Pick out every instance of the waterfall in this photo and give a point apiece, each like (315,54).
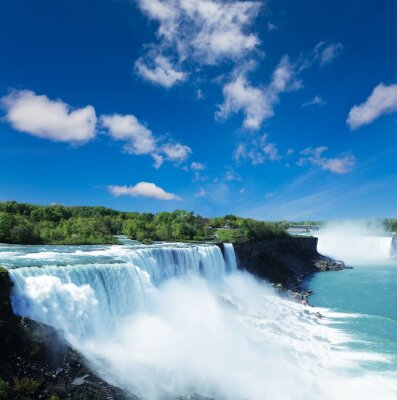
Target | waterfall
(230,257)
(92,297)
(168,321)
(355,248)
(394,247)
(80,299)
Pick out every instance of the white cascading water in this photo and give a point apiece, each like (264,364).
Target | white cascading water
(355,243)
(164,321)
(93,297)
(230,257)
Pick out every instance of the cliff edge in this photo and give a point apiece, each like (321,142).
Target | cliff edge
(284,261)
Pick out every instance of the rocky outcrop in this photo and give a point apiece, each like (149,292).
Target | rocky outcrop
(285,261)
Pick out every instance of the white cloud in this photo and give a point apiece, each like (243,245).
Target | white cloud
(205,32)
(283,79)
(322,54)
(49,119)
(257,103)
(339,165)
(158,160)
(240,152)
(197,166)
(239,95)
(271,151)
(326,53)
(55,120)
(383,100)
(176,152)
(141,140)
(143,189)
(258,151)
(160,71)
(315,101)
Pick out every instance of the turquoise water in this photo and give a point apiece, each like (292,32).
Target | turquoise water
(366,295)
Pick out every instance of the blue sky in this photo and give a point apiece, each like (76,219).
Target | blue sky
(271,109)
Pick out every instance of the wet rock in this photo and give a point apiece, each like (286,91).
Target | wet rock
(285,262)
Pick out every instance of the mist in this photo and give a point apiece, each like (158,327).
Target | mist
(229,338)
(356,242)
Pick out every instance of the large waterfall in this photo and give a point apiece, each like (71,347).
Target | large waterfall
(94,296)
(169,320)
(356,245)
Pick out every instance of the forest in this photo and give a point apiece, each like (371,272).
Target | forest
(22,223)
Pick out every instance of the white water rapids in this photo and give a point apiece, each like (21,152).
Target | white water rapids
(163,321)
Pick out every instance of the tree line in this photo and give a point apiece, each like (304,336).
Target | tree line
(390,224)
(56,224)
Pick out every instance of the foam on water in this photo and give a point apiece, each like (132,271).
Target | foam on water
(176,319)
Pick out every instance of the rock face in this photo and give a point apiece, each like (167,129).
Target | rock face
(284,261)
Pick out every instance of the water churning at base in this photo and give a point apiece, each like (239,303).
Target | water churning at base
(169,320)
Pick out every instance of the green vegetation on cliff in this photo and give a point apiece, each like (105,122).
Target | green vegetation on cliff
(56,224)
(390,224)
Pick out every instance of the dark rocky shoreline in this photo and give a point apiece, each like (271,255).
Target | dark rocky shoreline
(285,262)
(36,363)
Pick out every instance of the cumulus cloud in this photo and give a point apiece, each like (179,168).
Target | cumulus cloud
(176,151)
(143,189)
(258,151)
(160,70)
(141,140)
(338,165)
(55,120)
(383,100)
(257,103)
(127,128)
(240,95)
(204,32)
